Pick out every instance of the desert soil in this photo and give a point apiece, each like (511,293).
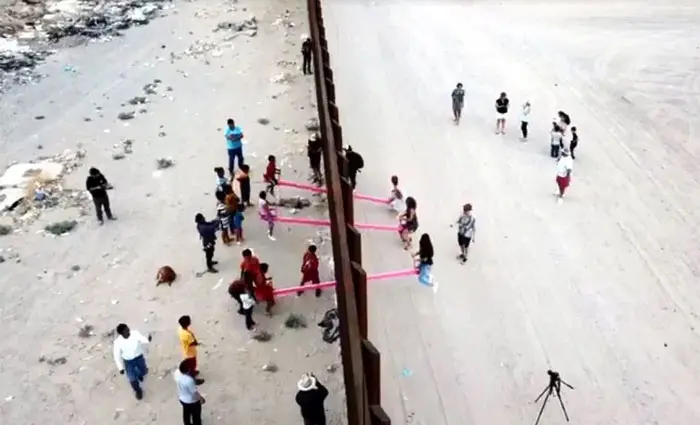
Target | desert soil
(602,288)
(49,373)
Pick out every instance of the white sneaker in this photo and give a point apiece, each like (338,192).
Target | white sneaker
(270,237)
(560,200)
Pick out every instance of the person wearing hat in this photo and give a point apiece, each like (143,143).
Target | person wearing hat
(457,102)
(310,398)
(564,168)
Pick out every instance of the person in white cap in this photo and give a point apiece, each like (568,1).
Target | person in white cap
(564,168)
(310,398)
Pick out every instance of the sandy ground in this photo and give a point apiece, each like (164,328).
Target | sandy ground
(602,288)
(43,303)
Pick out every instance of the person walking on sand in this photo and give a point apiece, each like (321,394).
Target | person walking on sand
(311,398)
(234,144)
(502,104)
(306,52)
(207,233)
(525,119)
(128,355)
(466,230)
(574,142)
(97,185)
(564,167)
(188,394)
(457,102)
(189,344)
(309,270)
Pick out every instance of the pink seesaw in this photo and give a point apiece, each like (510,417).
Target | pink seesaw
(320,222)
(315,189)
(330,284)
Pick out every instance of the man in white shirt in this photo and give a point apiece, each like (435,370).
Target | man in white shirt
(190,398)
(564,167)
(128,355)
(525,119)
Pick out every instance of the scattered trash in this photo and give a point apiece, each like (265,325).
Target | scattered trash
(332,368)
(263,121)
(69,68)
(295,321)
(126,115)
(282,78)
(407,373)
(312,124)
(5,230)
(75,268)
(61,227)
(86,331)
(53,362)
(138,100)
(39,117)
(297,202)
(118,155)
(270,367)
(249,25)
(262,336)
(164,163)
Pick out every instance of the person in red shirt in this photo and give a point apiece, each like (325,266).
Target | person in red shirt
(250,264)
(264,289)
(309,269)
(272,174)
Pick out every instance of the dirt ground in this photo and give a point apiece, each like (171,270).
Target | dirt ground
(50,374)
(602,288)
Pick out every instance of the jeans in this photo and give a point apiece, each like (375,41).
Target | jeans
(554,151)
(425,275)
(306,64)
(192,413)
(102,202)
(136,370)
(249,322)
(523,129)
(232,155)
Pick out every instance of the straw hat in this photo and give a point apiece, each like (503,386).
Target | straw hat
(306,383)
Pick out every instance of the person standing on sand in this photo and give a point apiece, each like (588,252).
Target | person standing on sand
(207,233)
(525,119)
(466,230)
(248,303)
(190,398)
(355,164)
(128,355)
(574,142)
(97,185)
(306,52)
(502,104)
(314,151)
(234,144)
(310,398)
(189,345)
(309,270)
(564,167)
(457,102)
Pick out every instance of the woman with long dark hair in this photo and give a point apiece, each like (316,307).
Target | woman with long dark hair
(408,222)
(424,260)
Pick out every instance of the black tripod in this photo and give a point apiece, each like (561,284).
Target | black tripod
(554,385)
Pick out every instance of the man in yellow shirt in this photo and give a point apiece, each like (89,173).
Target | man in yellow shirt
(189,345)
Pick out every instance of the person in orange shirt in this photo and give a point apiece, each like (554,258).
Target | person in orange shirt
(189,345)
(264,289)
(309,269)
(250,264)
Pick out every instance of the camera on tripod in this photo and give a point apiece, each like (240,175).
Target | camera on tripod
(554,386)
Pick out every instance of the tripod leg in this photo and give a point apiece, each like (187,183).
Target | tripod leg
(566,415)
(541,394)
(539,415)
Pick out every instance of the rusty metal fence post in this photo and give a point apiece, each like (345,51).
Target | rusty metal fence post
(361,360)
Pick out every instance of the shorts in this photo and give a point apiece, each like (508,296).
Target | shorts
(563,183)
(501,116)
(463,241)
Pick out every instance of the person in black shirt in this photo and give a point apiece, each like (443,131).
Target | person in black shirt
(502,104)
(207,233)
(574,142)
(315,151)
(97,185)
(355,164)
(306,55)
(310,398)
(424,260)
(457,102)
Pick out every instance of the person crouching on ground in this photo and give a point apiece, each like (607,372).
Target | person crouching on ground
(564,168)
(267,214)
(207,233)
(424,260)
(408,222)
